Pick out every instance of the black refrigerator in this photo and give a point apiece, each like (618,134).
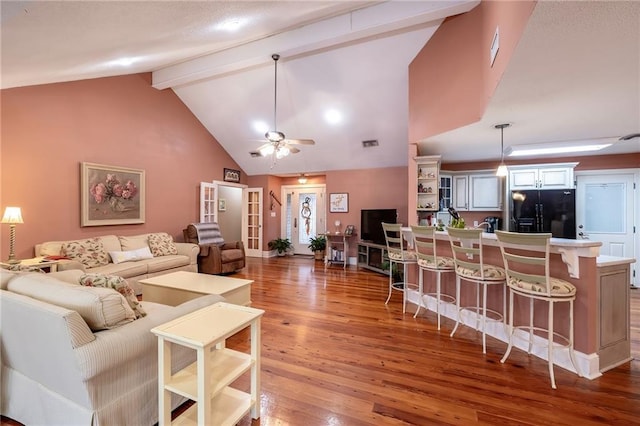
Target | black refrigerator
(544,210)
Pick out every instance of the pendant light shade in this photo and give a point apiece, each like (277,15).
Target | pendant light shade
(502,168)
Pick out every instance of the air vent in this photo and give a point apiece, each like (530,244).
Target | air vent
(255,154)
(370,143)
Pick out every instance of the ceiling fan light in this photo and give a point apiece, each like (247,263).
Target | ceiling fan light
(267,150)
(274,136)
(282,152)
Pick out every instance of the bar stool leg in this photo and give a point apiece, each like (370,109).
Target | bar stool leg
(530,326)
(510,345)
(457,306)
(404,288)
(550,346)
(572,354)
(420,284)
(438,297)
(390,281)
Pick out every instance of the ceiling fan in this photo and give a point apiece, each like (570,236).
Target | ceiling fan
(277,144)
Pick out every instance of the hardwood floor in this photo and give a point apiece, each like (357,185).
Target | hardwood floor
(334,354)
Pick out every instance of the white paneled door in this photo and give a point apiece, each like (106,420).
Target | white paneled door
(606,211)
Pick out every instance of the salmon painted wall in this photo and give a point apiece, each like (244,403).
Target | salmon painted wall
(451,79)
(48,130)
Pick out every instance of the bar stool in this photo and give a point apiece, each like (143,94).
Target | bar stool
(528,276)
(466,245)
(424,244)
(397,255)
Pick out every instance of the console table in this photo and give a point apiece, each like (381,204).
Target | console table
(337,250)
(207,380)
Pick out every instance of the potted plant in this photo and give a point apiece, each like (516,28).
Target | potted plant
(282,245)
(318,245)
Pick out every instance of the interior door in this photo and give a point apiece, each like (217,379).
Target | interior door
(208,202)
(252,221)
(605,212)
(304,215)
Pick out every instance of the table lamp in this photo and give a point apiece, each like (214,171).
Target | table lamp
(12,215)
(337,223)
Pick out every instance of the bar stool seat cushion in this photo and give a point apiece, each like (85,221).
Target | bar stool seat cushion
(491,273)
(558,287)
(440,263)
(404,256)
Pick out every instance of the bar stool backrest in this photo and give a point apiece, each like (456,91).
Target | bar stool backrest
(526,260)
(466,246)
(424,244)
(395,242)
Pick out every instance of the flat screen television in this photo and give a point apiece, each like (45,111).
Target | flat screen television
(371,224)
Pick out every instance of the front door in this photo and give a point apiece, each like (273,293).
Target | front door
(605,212)
(304,215)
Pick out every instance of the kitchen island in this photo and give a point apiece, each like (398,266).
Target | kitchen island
(601,309)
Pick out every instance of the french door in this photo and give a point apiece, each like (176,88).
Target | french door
(304,215)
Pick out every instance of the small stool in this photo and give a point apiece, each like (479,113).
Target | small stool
(466,245)
(397,254)
(528,276)
(424,244)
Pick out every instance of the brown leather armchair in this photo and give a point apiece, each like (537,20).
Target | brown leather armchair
(216,256)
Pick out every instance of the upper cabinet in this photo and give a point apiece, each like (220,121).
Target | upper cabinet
(544,176)
(481,191)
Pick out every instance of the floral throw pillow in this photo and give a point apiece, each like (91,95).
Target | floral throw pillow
(90,252)
(161,244)
(118,284)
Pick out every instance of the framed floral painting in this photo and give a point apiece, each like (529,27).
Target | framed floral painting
(111,195)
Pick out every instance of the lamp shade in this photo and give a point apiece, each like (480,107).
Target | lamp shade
(12,215)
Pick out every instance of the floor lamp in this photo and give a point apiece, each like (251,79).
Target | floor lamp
(12,216)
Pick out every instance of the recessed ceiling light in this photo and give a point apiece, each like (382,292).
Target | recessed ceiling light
(333,116)
(260,126)
(233,24)
(123,62)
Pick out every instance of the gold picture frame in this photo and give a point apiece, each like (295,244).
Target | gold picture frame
(111,195)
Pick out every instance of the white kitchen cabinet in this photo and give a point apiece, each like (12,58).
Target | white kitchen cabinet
(485,192)
(547,176)
(460,192)
(477,192)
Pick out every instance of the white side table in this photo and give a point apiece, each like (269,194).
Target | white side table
(207,380)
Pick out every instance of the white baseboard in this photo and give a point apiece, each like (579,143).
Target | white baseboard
(589,364)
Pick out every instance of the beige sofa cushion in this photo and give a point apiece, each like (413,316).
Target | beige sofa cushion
(117,283)
(133,243)
(89,252)
(161,244)
(101,308)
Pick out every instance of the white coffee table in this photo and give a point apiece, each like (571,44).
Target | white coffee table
(177,287)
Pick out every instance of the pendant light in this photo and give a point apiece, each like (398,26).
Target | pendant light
(502,168)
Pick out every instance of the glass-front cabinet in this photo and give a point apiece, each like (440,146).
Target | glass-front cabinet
(427,187)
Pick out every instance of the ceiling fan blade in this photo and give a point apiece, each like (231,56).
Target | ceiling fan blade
(263,146)
(293,150)
(300,141)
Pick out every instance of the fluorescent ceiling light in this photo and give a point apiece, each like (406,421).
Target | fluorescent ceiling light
(556,148)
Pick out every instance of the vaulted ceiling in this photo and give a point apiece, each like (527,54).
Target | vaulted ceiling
(575,74)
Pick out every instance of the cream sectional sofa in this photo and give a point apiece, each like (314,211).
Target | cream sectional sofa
(56,370)
(92,255)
